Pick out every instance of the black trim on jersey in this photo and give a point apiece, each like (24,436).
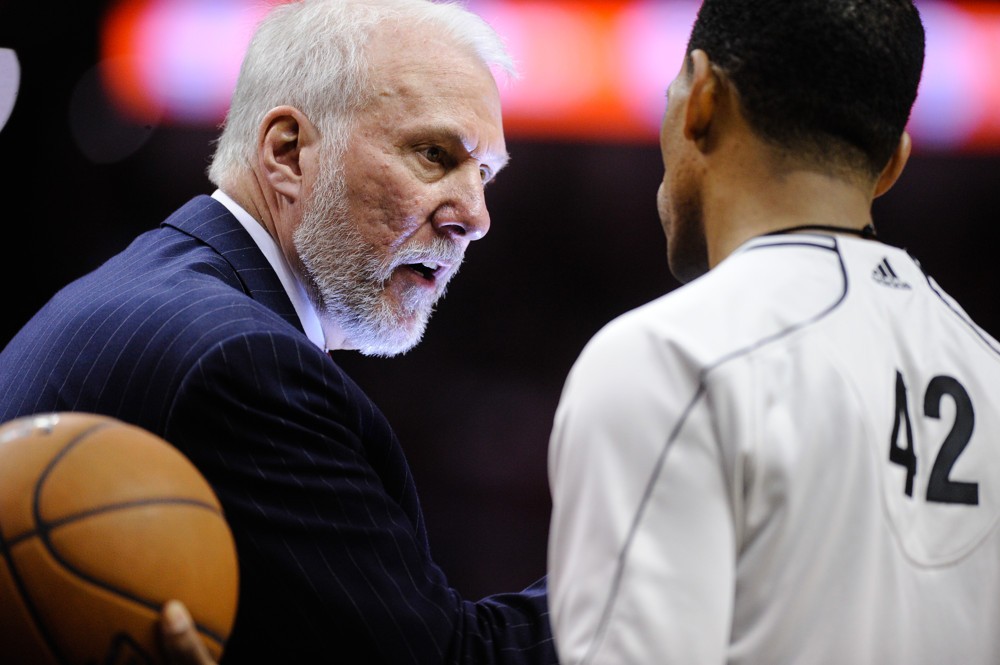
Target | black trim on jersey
(962,316)
(793,328)
(802,240)
(699,392)
(868,231)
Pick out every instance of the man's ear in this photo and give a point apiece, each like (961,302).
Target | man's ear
(702,98)
(891,172)
(286,139)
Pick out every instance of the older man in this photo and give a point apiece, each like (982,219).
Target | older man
(350,179)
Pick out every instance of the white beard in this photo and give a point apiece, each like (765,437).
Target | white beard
(347,277)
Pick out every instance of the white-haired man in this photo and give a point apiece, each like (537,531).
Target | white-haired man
(350,176)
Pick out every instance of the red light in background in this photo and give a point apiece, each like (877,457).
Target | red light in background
(986,17)
(591,71)
(121,61)
(176,59)
(570,58)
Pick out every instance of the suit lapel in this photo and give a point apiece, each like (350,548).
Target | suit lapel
(208,220)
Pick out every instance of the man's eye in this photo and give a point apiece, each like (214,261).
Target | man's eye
(434,154)
(485,173)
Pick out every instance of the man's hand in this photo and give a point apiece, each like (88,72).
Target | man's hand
(181,643)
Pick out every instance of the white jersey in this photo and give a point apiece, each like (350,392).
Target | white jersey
(794,459)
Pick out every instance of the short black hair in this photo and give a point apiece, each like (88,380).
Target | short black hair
(831,80)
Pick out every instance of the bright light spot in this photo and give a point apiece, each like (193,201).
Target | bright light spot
(182,56)
(943,116)
(590,70)
(652,39)
(539,37)
(10,83)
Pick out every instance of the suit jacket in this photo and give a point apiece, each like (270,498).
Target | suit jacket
(188,333)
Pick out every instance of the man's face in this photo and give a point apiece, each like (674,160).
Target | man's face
(678,198)
(386,228)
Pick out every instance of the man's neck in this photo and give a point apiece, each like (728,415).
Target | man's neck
(740,210)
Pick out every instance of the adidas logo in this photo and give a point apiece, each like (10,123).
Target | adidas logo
(884,274)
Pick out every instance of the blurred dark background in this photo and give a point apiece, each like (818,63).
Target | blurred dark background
(575,241)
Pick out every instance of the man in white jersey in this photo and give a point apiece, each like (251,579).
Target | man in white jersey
(795,457)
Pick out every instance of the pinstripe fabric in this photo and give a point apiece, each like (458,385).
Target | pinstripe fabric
(189,334)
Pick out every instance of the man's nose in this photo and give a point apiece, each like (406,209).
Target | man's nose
(464,213)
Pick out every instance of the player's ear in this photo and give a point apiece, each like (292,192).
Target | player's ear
(704,87)
(286,137)
(890,174)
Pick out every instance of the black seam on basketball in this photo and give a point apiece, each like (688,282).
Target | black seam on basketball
(123,646)
(43,629)
(30,606)
(43,535)
(45,527)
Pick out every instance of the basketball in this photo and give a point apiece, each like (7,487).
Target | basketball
(101,523)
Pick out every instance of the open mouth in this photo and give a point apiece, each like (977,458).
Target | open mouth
(426,269)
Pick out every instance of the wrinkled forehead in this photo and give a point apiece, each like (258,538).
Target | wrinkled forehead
(425,78)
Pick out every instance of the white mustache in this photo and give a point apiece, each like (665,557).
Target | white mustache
(439,251)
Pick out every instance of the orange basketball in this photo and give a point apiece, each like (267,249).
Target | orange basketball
(101,523)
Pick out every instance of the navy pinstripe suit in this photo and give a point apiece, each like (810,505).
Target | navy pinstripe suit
(189,334)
